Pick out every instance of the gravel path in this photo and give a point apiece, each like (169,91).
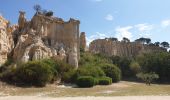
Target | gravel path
(87,98)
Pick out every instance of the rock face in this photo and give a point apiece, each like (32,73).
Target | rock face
(46,37)
(83,41)
(6,40)
(109,47)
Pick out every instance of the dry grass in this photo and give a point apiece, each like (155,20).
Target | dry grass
(122,88)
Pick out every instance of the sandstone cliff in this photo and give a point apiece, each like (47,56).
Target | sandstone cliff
(109,47)
(6,40)
(42,37)
(83,41)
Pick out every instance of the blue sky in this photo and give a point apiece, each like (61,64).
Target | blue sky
(103,18)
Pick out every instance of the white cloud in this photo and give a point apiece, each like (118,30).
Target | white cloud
(109,17)
(123,32)
(97,35)
(144,27)
(165,23)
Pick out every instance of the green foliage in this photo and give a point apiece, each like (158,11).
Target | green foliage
(69,77)
(67,72)
(124,64)
(104,81)
(93,60)
(112,71)
(148,77)
(90,71)
(9,73)
(135,67)
(7,63)
(85,81)
(49,13)
(53,65)
(35,73)
(156,62)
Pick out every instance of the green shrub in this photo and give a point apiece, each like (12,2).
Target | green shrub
(66,72)
(85,81)
(93,60)
(90,71)
(69,77)
(52,65)
(135,67)
(148,77)
(104,81)
(124,64)
(111,71)
(63,67)
(9,74)
(96,81)
(35,73)
(158,62)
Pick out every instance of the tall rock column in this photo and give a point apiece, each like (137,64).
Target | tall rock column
(21,20)
(83,41)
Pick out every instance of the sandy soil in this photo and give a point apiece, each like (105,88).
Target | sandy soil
(87,98)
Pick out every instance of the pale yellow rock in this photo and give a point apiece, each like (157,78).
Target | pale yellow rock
(117,48)
(83,41)
(47,37)
(6,40)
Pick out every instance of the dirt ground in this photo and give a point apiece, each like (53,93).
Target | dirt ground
(123,88)
(88,98)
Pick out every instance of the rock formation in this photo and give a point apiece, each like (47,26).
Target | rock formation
(109,47)
(42,37)
(6,40)
(47,37)
(83,41)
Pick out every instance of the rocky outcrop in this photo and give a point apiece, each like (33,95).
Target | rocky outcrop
(83,41)
(6,40)
(46,37)
(109,47)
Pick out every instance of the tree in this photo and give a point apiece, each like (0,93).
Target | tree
(147,40)
(158,62)
(112,39)
(148,77)
(157,44)
(143,40)
(125,39)
(49,13)
(165,44)
(135,67)
(37,8)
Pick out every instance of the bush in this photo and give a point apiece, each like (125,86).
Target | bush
(90,71)
(66,72)
(8,74)
(93,60)
(104,81)
(112,71)
(63,67)
(69,77)
(135,67)
(148,77)
(53,65)
(85,81)
(158,62)
(35,73)
(124,64)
